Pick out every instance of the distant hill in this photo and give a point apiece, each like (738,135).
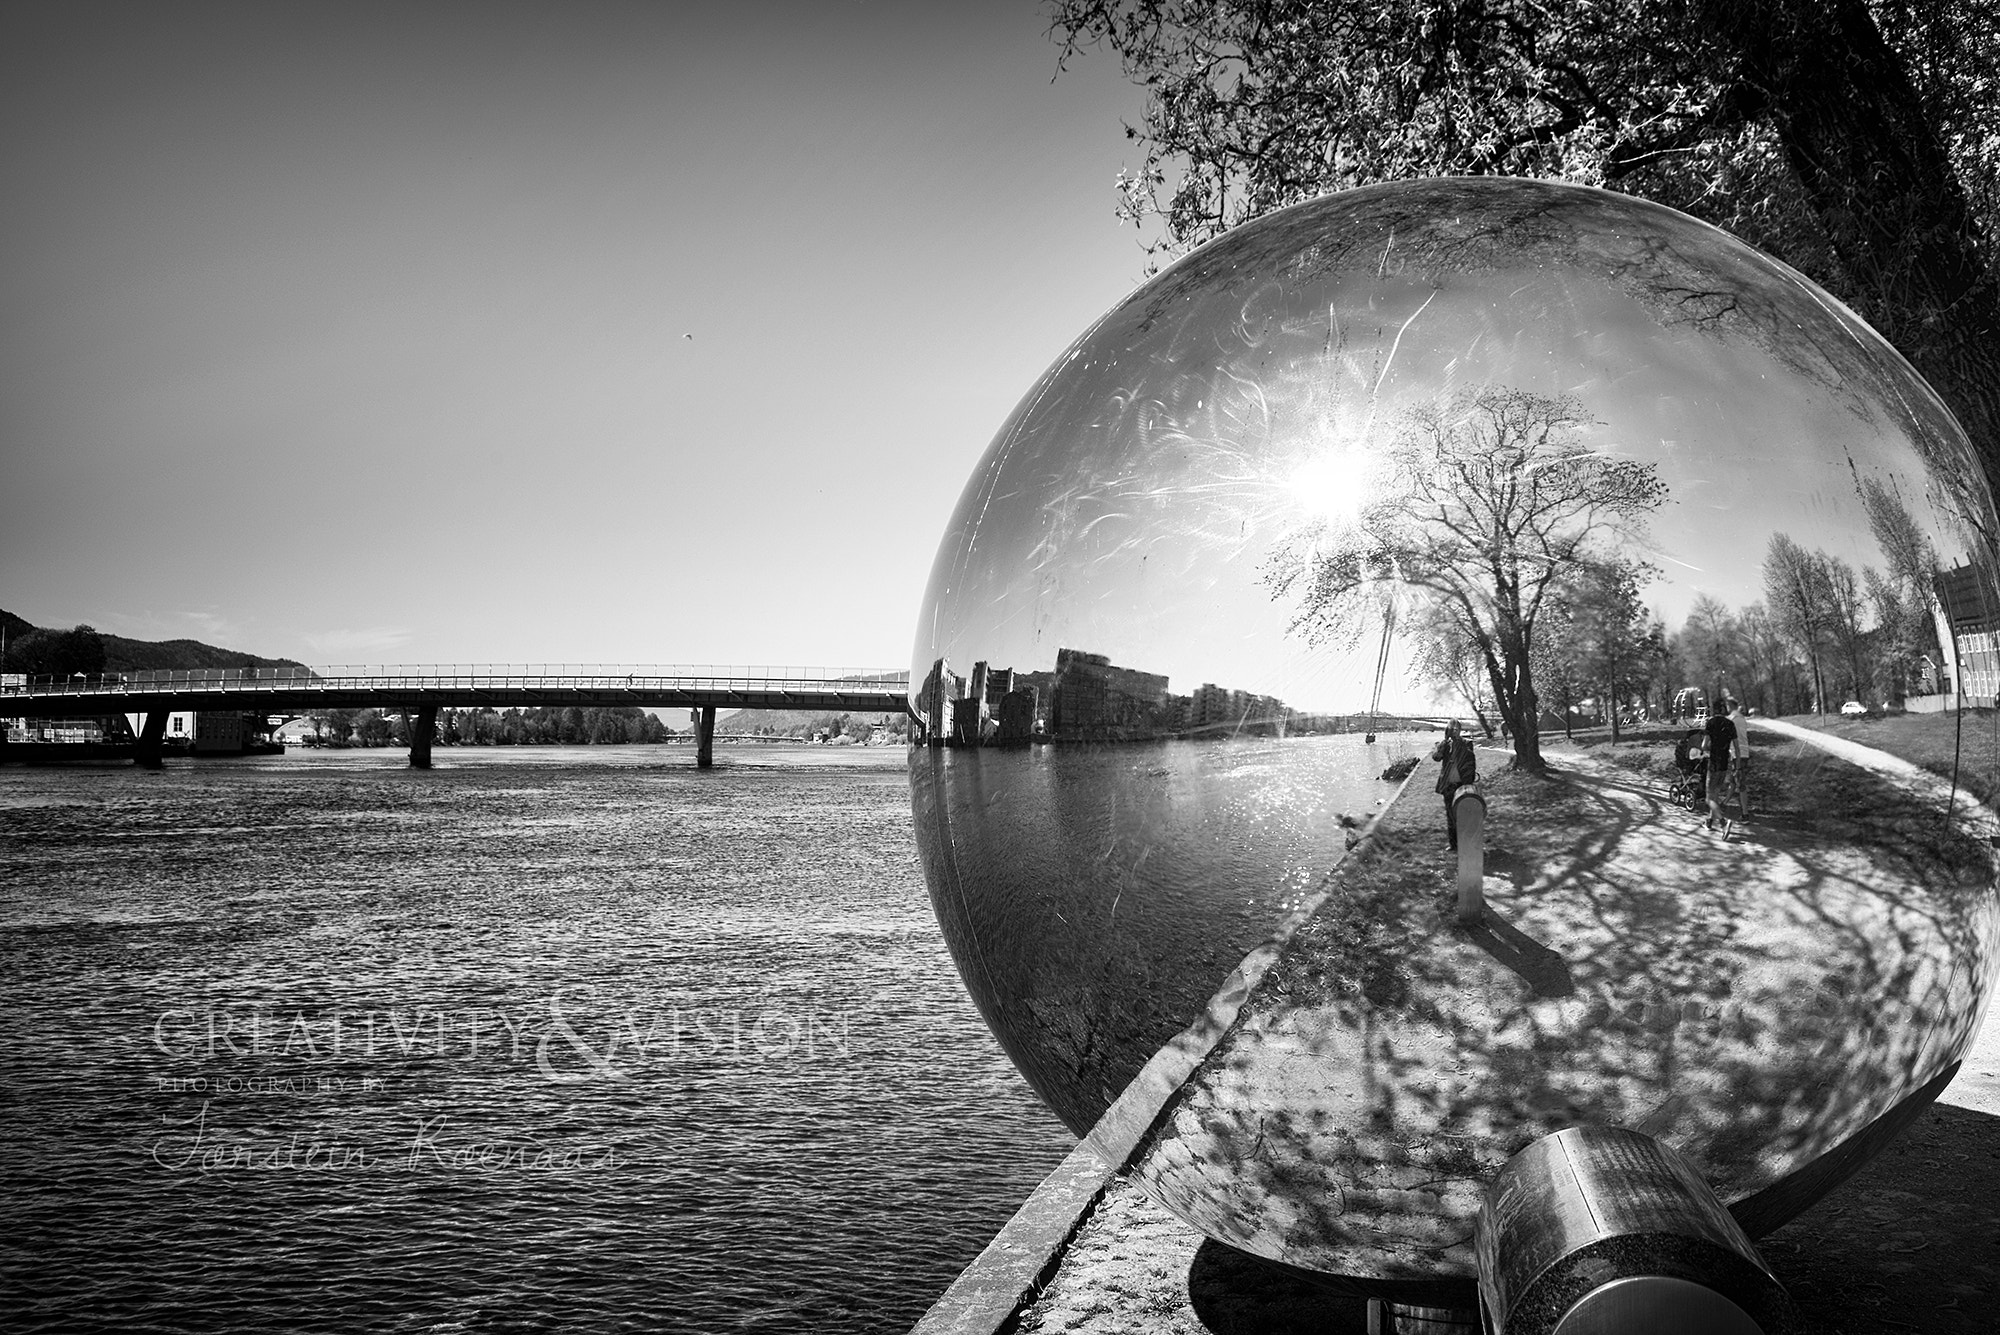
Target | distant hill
(123,655)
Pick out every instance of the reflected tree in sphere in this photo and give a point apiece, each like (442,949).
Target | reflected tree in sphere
(1492,505)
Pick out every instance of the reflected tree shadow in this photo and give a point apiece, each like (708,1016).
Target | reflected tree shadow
(1545,971)
(1758,1002)
(1906,1240)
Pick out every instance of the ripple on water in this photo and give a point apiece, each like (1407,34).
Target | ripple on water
(545,1039)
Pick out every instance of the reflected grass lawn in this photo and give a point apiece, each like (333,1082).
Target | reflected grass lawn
(1966,742)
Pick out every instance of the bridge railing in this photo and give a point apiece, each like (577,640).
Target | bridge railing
(469,676)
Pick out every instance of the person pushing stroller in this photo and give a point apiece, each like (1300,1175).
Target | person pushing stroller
(1721,737)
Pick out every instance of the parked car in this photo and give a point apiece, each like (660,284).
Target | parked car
(1853,707)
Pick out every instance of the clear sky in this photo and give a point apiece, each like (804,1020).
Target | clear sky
(583,332)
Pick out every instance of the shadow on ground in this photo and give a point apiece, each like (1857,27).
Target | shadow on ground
(1235,1293)
(1911,1242)
(1757,1001)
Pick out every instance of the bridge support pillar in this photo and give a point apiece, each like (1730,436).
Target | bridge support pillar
(423,731)
(704,738)
(152,740)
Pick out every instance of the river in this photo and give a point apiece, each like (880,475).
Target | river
(552,1038)
(543,1038)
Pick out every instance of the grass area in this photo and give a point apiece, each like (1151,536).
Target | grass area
(1966,742)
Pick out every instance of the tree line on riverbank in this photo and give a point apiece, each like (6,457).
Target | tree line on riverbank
(809,725)
(1826,631)
(552,726)
(1515,558)
(578,726)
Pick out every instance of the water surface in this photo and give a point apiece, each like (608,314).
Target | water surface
(561,1038)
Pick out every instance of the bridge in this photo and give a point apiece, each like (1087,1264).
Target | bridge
(419,692)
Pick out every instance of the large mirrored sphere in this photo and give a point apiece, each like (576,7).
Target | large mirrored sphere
(1625,498)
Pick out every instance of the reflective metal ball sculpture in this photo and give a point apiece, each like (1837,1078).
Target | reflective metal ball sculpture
(1576,470)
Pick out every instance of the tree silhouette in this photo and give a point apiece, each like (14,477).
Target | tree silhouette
(56,653)
(1850,636)
(1492,500)
(1766,657)
(1905,601)
(1561,680)
(1707,643)
(1801,600)
(1613,637)
(1449,658)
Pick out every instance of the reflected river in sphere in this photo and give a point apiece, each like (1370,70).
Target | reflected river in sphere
(1659,521)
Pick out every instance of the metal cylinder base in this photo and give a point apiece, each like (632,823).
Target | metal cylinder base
(1599,1229)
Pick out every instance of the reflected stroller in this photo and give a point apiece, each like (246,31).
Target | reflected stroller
(1690,790)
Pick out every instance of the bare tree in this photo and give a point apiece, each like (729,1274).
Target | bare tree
(1770,665)
(1560,677)
(1493,497)
(1707,638)
(1847,624)
(1611,630)
(1905,598)
(1795,588)
(1448,657)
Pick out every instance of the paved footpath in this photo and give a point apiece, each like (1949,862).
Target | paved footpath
(1912,1242)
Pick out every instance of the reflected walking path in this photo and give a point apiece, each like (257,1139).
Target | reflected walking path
(1911,1241)
(1755,1002)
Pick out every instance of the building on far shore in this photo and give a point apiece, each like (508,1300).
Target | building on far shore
(1097,701)
(1087,698)
(1970,629)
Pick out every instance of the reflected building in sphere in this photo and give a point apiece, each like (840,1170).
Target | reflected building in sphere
(1520,454)
(1097,702)
(1972,632)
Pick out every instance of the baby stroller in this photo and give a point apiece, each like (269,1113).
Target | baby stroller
(1690,789)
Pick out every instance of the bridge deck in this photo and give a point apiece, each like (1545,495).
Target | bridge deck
(460,687)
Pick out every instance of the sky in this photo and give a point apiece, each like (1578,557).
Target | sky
(484,333)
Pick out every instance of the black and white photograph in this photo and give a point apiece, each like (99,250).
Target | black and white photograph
(1083,668)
